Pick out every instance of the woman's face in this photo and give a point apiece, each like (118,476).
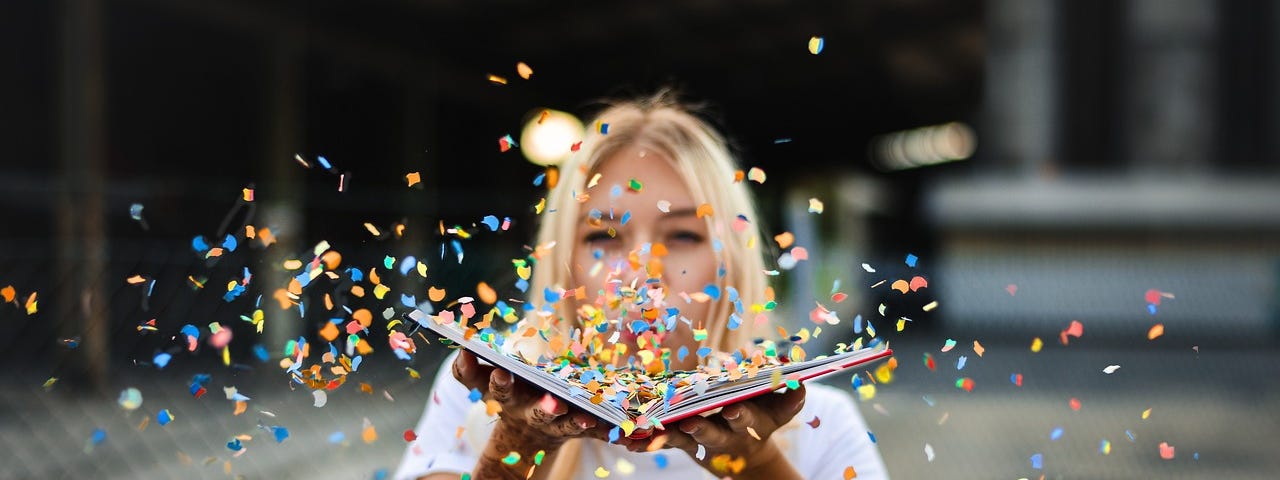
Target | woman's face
(689,263)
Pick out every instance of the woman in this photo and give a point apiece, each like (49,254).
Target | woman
(647,214)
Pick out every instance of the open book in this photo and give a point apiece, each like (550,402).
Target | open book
(679,396)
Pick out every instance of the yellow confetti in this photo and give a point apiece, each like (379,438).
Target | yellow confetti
(49,383)
(930,306)
(815,205)
(136,279)
(524,70)
(247,194)
(1036,344)
(32,307)
(816,44)
(624,467)
(496,79)
(1146,413)
(866,391)
(752,432)
(601,472)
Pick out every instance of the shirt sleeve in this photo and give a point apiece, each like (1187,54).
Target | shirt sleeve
(438,447)
(839,441)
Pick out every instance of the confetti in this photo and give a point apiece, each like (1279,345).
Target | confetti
(601,472)
(948,345)
(978,349)
(816,44)
(850,473)
(164,417)
(756,175)
(1155,332)
(1146,413)
(320,398)
(524,70)
(413,178)
(1075,329)
(1036,344)
(1037,461)
(130,399)
(815,422)
(496,80)
(928,452)
(815,206)
(1110,369)
(1166,451)
(1055,434)
(368,434)
(512,458)
(911,260)
(280,433)
(1074,403)
(965,383)
(1016,379)
(409,435)
(704,210)
(1011,288)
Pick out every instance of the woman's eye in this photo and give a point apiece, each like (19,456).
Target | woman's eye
(599,236)
(686,237)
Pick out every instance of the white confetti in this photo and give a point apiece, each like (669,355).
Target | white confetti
(664,206)
(702,452)
(868,268)
(321,398)
(1110,369)
(928,452)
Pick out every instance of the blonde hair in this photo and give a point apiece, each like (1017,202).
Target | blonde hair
(701,157)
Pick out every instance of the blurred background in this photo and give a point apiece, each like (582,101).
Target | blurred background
(1114,163)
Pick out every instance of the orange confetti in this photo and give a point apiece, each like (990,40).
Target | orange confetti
(136,279)
(413,178)
(525,71)
(978,348)
(364,316)
(1156,331)
(784,239)
(241,406)
(704,210)
(492,407)
(435,294)
(8,293)
(31,304)
(331,259)
(901,286)
(369,435)
(486,293)
(329,332)
(849,472)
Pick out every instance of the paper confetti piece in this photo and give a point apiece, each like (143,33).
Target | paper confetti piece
(8,293)
(164,417)
(872,436)
(1110,369)
(1074,403)
(948,345)
(31,305)
(978,348)
(1016,379)
(1155,332)
(815,422)
(704,210)
(1036,345)
(661,461)
(512,458)
(911,260)
(1075,329)
(1011,288)
(1055,434)
(756,175)
(1037,461)
(1146,413)
(98,436)
(280,433)
(815,205)
(601,472)
(524,70)
(409,435)
(816,44)
(624,467)
(850,473)
(1166,451)
(130,399)
(320,398)
(368,434)
(928,452)
(965,383)
(413,178)
(702,452)
(1104,447)
(664,206)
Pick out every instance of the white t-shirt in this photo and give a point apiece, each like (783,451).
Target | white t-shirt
(839,441)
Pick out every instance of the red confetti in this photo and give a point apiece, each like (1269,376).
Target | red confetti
(575,147)
(839,297)
(1153,296)
(1076,329)
(1074,403)
(815,422)
(918,282)
(409,436)
(1012,289)
(1017,379)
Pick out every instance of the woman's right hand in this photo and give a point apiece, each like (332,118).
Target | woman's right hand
(531,419)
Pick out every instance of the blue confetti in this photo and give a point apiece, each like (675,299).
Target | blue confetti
(1130,435)
(712,291)
(324,162)
(781,140)
(356,274)
(260,351)
(857,381)
(911,260)
(408,300)
(389,262)
(961,361)
(626,217)
(457,247)
(99,435)
(1055,434)
(234,445)
(551,296)
(164,417)
(337,437)
(135,211)
(233,293)
(407,264)
(230,243)
(537,181)
(1037,461)
(615,191)
(491,222)
(522,285)
(281,433)
(199,245)
(704,351)
(661,460)
(639,326)
(614,433)
(872,436)
(734,321)
(857,324)
(161,359)
(475,395)
(1151,308)
(355,362)
(683,352)
(380,474)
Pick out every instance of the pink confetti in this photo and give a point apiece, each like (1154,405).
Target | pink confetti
(1012,289)
(1166,451)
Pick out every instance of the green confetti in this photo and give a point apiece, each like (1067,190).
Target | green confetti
(512,458)
(389,261)
(635,185)
(793,384)
(537,458)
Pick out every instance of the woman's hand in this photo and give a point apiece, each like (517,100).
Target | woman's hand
(530,420)
(738,439)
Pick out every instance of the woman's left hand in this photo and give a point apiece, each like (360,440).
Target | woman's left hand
(737,440)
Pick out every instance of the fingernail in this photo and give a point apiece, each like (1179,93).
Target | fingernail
(733,414)
(691,429)
(503,378)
